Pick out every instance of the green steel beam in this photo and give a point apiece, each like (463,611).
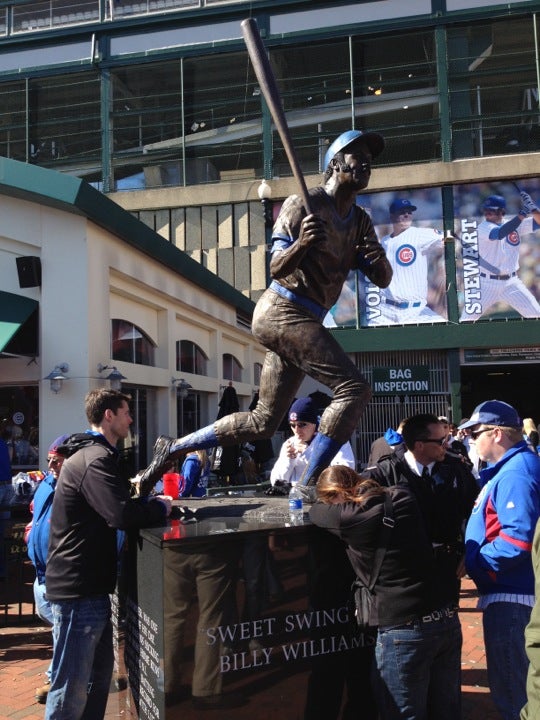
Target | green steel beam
(495,333)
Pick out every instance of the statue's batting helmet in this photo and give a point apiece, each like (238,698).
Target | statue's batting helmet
(374,141)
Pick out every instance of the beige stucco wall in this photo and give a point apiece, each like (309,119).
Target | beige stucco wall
(90,276)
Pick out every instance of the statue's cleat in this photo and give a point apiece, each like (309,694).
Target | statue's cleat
(160,461)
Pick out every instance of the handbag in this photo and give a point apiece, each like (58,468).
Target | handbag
(363,597)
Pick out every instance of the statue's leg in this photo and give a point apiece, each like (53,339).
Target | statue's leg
(324,360)
(279,383)
(280,380)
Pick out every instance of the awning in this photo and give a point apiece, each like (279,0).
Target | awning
(18,324)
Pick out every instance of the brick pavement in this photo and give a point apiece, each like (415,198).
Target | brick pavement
(25,650)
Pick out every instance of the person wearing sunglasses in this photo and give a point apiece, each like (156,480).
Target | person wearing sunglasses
(414,253)
(445,490)
(296,451)
(498,544)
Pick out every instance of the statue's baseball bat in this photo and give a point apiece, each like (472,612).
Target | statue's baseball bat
(269,89)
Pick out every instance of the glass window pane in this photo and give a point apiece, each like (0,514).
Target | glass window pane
(147,110)
(13,121)
(53,13)
(257,370)
(131,344)
(190,358)
(19,419)
(232,370)
(316,95)
(493,88)
(222,118)
(395,93)
(396,85)
(188,413)
(125,8)
(65,122)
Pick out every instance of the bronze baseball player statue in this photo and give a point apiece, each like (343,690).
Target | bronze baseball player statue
(311,257)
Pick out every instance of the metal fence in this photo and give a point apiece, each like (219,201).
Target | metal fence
(384,411)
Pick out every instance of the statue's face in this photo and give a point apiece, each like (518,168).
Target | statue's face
(357,168)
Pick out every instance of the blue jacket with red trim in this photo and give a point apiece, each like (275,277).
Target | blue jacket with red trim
(499,535)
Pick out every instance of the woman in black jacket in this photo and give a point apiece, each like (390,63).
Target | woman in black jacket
(352,508)
(412,650)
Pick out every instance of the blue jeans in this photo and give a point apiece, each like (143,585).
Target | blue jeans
(43,610)
(507,662)
(43,606)
(418,669)
(82,663)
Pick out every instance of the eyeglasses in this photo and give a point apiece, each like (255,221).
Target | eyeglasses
(476,433)
(438,441)
(298,424)
(54,460)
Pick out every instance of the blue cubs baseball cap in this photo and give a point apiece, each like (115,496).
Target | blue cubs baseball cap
(494,202)
(303,410)
(374,141)
(494,412)
(399,205)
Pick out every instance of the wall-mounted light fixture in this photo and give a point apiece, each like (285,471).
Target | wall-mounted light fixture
(115,377)
(182,387)
(57,377)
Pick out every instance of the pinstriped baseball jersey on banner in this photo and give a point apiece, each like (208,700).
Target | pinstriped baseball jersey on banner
(405,299)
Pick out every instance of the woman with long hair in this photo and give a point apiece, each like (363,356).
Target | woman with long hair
(352,507)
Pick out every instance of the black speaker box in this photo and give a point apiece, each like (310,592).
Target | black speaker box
(29,270)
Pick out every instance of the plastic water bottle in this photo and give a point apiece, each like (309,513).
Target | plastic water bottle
(296,505)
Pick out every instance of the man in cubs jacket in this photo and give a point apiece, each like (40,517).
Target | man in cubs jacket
(498,543)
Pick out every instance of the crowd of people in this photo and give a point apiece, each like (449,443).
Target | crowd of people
(447,521)
(457,523)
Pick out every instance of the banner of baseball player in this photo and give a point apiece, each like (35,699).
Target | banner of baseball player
(497,226)
(497,230)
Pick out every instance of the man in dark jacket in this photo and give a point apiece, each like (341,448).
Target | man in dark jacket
(445,490)
(91,501)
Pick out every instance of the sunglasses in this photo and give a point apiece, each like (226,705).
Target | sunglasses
(474,434)
(298,424)
(438,441)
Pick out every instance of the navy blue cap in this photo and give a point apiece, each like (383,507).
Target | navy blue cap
(494,412)
(56,446)
(494,202)
(399,205)
(303,410)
